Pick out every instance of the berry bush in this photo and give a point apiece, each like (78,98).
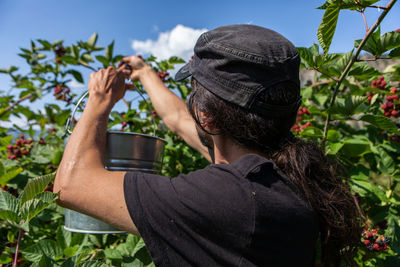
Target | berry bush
(350,108)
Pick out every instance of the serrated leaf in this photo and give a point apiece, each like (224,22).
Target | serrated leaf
(327,28)
(63,237)
(348,4)
(139,245)
(381,122)
(47,247)
(363,71)
(32,207)
(93,39)
(9,202)
(91,264)
(372,45)
(44,262)
(10,174)
(10,216)
(389,41)
(36,186)
(395,53)
(349,105)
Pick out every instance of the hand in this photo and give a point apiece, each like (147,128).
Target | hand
(135,63)
(107,86)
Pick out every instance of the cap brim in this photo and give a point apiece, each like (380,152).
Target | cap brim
(183,73)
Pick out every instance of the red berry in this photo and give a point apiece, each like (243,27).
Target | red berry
(381,78)
(12,157)
(376,247)
(366,242)
(25,152)
(299,118)
(41,141)
(383,84)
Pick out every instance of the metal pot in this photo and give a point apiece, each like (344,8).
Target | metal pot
(124,152)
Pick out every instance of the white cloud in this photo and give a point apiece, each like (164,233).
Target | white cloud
(177,42)
(73,84)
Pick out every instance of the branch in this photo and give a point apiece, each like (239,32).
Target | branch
(20,233)
(353,59)
(380,7)
(87,66)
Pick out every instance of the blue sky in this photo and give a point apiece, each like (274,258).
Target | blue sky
(134,22)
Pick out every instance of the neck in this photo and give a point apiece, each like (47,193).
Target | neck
(227,152)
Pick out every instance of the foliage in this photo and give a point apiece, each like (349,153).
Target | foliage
(362,132)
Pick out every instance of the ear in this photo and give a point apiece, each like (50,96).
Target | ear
(206,122)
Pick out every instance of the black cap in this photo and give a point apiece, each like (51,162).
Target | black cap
(238,62)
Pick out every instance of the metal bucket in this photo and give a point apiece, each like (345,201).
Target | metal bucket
(124,152)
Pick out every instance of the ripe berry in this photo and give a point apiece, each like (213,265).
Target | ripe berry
(376,247)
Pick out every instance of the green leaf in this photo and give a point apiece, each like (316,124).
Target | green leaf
(333,148)
(93,39)
(46,44)
(91,264)
(327,27)
(87,58)
(5,141)
(371,188)
(363,71)
(70,251)
(112,254)
(36,186)
(175,60)
(333,135)
(381,122)
(44,262)
(77,75)
(348,4)
(9,202)
(47,247)
(69,60)
(33,207)
(389,41)
(10,216)
(395,53)
(63,238)
(109,52)
(10,174)
(372,44)
(355,147)
(103,60)
(349,105)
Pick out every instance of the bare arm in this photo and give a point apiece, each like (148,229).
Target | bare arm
(83,183)
(168,106)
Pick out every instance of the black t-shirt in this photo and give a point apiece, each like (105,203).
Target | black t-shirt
(240,214)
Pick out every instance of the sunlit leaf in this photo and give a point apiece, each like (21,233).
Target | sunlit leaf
(327,28)
(35,186)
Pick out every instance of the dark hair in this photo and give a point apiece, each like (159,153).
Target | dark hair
(321,182)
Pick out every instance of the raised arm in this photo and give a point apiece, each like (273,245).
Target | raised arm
(168,106)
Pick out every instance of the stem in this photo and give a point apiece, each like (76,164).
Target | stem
(20,233)
(353,59)
(365,20)
(87,66)
(10,107)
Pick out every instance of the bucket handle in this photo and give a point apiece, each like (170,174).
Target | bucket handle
(70,119)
